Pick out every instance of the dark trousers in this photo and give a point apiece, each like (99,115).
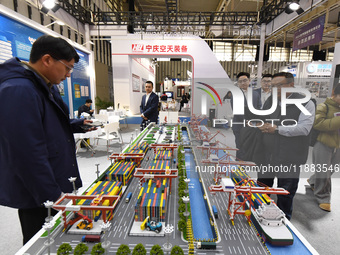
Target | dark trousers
(239,153)
(284,202)
(32,220)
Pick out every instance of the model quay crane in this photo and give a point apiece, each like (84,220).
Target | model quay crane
(104,204)
(145,174)
(226,161)
(246,191)
(135,157)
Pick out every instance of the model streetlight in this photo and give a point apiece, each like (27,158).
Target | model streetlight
(168,229)
(186,201)
(73,180)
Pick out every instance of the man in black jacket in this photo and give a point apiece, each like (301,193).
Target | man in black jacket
(285,147)
(85,108)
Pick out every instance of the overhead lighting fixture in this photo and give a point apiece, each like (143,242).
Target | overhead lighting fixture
(294,6)
(49,4)
(59,22)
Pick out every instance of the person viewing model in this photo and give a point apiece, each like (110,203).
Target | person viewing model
(285,146)
(326,152)
(265,90)
(37,148)
(85,108)
(149,105)
(243,81)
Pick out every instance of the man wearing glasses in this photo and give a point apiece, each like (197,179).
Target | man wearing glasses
(243,82)
(285,147)
(265,90)
(37,148)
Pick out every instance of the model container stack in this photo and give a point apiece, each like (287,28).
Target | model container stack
(138,148)
(121,171)
(101,188)
(152,200)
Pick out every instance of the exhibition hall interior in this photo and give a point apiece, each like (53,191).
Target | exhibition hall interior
(192,127)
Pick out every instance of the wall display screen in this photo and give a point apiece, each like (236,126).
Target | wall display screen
(16,40)
(80,81)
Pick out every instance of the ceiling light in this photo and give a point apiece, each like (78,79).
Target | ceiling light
(49,4)
(294,6)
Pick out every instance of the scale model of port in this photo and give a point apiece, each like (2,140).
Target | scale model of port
(152,193)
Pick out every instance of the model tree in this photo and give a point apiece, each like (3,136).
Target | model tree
(156,250)
(64,249)
(97,249)
(182,225)
(80,249)
(139,250)
(176,250)
(123,250)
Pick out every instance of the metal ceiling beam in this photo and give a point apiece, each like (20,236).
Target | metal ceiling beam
(178,19)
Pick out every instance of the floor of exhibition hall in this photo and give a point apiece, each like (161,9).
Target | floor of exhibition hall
(320,228)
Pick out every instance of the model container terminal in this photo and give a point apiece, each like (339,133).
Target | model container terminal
(147,176)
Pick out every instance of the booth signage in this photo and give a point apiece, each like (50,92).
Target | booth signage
(159,48)
(309,34)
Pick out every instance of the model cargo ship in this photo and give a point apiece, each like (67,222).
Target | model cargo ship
(269,221)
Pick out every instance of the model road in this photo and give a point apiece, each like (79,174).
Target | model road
(238,239)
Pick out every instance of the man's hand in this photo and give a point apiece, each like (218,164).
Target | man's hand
(268,128)
(86,122)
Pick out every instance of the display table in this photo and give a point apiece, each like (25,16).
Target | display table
(80,137)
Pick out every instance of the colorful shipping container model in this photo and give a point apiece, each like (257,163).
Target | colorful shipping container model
(101,188)
(121,171)
(269,221)
(139,148)
(152,201)
(163,154)
(160,164)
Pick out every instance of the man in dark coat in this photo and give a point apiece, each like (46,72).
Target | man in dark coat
(149,104)
(37,148)
(285,146)
(85,108)
(243,81)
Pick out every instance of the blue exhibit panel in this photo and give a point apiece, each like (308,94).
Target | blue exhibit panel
(81,89)
(16,39)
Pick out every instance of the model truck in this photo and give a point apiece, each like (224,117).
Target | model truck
(128,197)
(215,212)
(91,238)
(206,245)
(153,226)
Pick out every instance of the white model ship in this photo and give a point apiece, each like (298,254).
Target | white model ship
(269,221)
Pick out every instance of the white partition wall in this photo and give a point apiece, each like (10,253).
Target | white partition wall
(208,76)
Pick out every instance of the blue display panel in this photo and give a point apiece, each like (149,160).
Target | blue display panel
(81,81)
(16,40)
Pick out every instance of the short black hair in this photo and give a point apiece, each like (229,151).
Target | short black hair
(243,74)
(267,75)
(149,82)
(336,91)
(57,47)
(88,101)
(289,76)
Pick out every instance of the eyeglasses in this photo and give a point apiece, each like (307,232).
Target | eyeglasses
(69,68)
(242,81)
